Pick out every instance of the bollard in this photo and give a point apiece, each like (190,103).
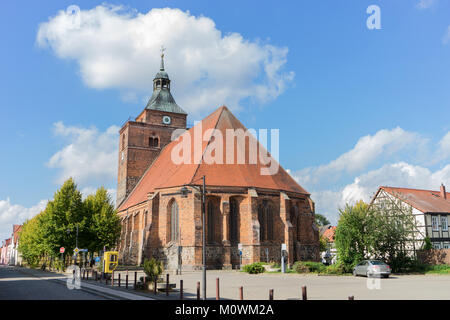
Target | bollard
(126,281)
(304,297)
(351,298)
(167,284)
(112,279)
(241,293)
(181,289)
(217,289)
(119,279)
(155,286)
(135,279)
(198,290)
(271,294)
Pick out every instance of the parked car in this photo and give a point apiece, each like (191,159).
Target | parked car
(372,268)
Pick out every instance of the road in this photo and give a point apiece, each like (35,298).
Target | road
(22,285)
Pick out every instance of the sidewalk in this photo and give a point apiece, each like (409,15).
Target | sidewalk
(88,285)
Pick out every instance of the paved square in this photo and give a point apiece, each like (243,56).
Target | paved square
(288,286)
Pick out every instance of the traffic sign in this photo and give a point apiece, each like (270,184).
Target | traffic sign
(62,249)
(76,250)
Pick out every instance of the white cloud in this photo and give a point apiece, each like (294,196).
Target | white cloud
(425,4)
(446,38)
(119,48)
(367,150)
(364,186)
(328,186)
(86,191)
(90,156)
(444,148)
(16,214)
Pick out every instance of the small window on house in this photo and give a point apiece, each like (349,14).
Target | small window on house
(436,245)
(444,223)
(123,141)
(434,223)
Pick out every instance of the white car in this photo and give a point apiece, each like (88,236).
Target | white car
(372,268)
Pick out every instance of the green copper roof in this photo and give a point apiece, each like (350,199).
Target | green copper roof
(162,75)
(162,100)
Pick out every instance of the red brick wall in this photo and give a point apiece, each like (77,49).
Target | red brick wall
(441,256)
(222,252)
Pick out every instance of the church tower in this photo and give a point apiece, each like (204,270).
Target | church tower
(141,140)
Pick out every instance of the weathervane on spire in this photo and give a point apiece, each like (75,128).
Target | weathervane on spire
(162,58)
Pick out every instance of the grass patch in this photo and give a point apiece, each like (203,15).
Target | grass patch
(437,269)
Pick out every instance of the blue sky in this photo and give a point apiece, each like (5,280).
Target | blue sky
(356,108)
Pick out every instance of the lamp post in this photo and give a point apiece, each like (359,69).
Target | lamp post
(204,238)
(76,239)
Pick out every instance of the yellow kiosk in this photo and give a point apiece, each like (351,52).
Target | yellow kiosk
(110,261)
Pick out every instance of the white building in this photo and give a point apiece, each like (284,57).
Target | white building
(431,210)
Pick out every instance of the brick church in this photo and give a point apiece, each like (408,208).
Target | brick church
(160,202)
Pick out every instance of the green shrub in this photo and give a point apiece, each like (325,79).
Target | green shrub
(334,269)
(308,266)
(275,265)
(300,267)
(153,269)
(254,268)
(427,245)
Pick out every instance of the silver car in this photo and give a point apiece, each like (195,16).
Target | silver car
(372,268)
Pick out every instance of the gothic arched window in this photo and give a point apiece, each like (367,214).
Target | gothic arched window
(234,214)
(174,221)
(266,221)
(210,222)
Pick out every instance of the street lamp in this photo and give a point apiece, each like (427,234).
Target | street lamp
(76,239)
(184,192)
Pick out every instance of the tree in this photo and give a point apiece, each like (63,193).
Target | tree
(321,220)
(351,236)
(104,222)
(384,231)
(393,232)
(323,244)
(95,218)
(64,214)
(31,244)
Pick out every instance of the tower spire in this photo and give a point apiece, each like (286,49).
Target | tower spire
(161,68)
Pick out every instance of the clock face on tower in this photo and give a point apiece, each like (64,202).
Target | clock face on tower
(166,120)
